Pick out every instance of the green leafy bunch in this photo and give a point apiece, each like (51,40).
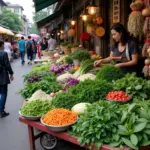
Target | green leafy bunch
(80,55)
(40,68)
(35,108)
(136,87)
(98,124)
(91,90)
(109,73)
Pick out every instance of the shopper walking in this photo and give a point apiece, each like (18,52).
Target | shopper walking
(7,48)
(6,74)
(29,50)
(34,47)
(52,43)
(22,49)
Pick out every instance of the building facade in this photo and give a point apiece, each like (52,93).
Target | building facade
(2,4)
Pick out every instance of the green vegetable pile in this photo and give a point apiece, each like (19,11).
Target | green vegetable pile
(40,68)
(80,55)
(136,87)
(117,125)
(109,73)
(98,124)
(65,100)
(35,108)
(91,90)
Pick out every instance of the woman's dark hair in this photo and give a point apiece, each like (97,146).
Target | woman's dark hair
(1,43)
(6,40)
(121,29)
(22,38)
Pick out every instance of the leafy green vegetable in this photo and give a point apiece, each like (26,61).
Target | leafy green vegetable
(68,60)
(80,55)
(91,90)
(40,68)
(35,108)
(109,73)
(98,124)
(136,87)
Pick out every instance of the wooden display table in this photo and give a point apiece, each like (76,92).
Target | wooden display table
(63,135)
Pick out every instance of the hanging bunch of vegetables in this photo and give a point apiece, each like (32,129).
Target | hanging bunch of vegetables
(136,20)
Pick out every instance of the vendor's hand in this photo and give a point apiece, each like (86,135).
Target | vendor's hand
(118,65)
(11,77)
(97,62)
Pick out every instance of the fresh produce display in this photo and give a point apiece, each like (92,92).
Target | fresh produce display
(98,124)
(105,122)
(35,108)
(87,76)
(80,108)
(68,60)
(90,91)
(60,69)
(60,117)
(85,67)
(43,85)
(80,55)
(109,73)
(119,96)
(137,88)
(39,94)
(34,78)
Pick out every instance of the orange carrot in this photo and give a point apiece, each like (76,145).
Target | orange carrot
(59,117)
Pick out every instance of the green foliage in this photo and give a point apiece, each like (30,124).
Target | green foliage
(98,124)
(65,100)
(34,29)
(68,60)
(91,90)
(136,87)
(35,108)
(80,55)
(40,68)
(109,73)
(10,20)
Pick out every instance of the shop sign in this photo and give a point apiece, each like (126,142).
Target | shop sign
(43,30)
(116,11)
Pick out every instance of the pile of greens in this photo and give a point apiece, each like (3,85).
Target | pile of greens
(35,108)
(117,125)
(91,90)
(109,73)
(47,85)
(98,124)
(136,87)
(80,55)
(40,68)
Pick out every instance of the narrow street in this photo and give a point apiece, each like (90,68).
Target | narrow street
(13,134)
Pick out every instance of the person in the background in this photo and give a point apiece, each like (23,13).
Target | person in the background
(7,48)
(6,74)
(124,50)
(51,43)
(22,49)
(34,47)
(29,50)
(44,44)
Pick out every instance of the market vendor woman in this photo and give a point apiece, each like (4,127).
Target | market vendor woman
(124,51)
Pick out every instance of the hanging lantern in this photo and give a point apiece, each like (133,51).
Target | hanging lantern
(71,32)
(61,31)
(58,33)
(84,15)
(92,8)
(73,22)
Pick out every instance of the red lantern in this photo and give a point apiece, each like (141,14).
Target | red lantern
(85,36)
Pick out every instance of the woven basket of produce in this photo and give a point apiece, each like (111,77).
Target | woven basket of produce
(67,50)
(48,53)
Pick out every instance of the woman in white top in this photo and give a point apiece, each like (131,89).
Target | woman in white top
(7,48)
(52,43)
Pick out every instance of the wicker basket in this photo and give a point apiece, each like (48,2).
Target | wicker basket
(67,50)
(48,53)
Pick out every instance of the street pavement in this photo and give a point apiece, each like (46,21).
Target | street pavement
(13,134)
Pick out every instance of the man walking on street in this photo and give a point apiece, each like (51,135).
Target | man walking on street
(22,49)
(6,74)
(29,50)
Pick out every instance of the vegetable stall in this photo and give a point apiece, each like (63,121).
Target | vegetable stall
(96,108)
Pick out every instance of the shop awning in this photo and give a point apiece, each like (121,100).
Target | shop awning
(41,4)
(48,19)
